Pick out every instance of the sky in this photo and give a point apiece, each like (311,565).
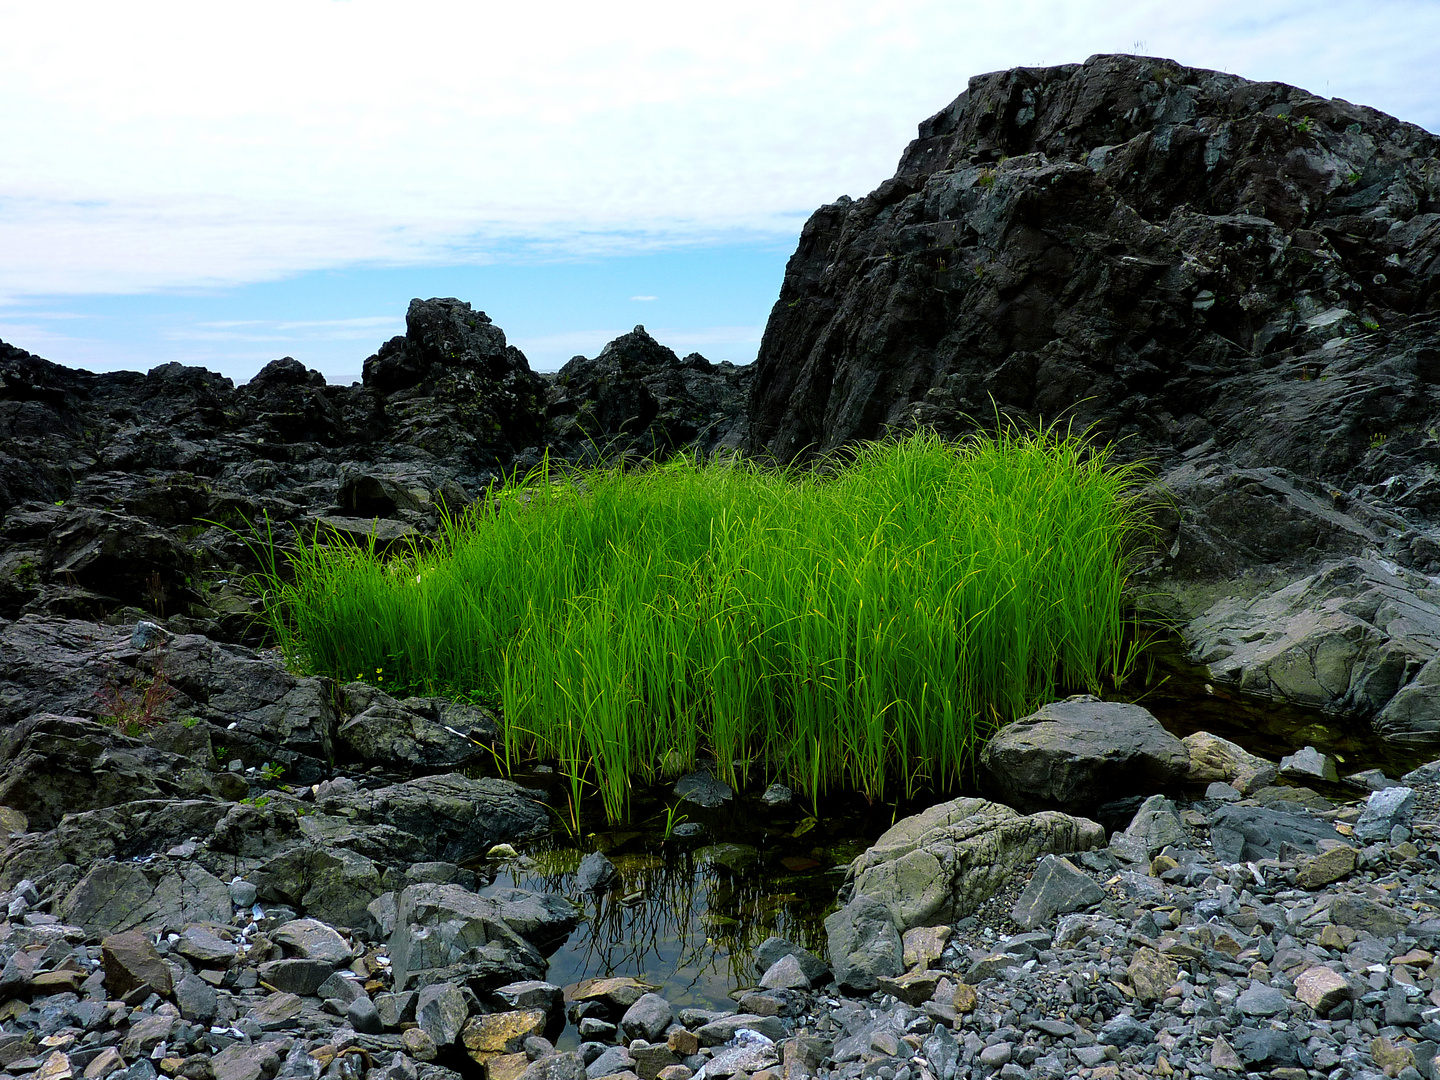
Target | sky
(226,183)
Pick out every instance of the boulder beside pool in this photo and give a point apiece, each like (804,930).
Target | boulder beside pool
(1075,754)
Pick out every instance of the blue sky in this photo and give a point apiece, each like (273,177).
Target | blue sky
(227,183)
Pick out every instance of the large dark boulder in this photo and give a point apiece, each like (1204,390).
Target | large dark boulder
(1076,754)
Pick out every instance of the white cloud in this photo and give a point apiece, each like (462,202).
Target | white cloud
(172,145)
(644,299)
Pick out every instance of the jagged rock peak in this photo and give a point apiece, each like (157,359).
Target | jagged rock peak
(1106,240)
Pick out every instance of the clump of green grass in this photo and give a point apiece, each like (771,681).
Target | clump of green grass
(864,626)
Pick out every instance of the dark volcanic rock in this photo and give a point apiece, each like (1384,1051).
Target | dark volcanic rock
(638,396)
(1239,280)
(1137,244)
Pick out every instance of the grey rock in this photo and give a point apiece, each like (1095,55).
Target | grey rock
(596,873)
(337,987)
(311,939)
(561,1066)
(296,976)
(396,1009)
(543,919)
(1370,780)
(1124,1030)
(1156,826)
(1057,887)
(703,790)
(772,949)
(444,931)
(1266,1048)
(196,999)
(724,1028)
(440,1011)
(1260,1000)
(242,893)
(530,994)
(1308,763)
(1246,833)
(786,973)
(364,1017)
(1221,792)
(416,733)
(1073,755)
(1383,811)
(938,866)
(648,1018)
(614,1059)
(864,943)
(777,795)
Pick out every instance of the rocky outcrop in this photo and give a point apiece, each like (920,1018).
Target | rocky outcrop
(1237,281)
(124,490)
(639,397)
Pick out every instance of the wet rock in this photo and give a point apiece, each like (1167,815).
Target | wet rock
(543,919)
(1246,833)
(1057,887)
(723,1029)
(196,999)
(703,790)
(596,873)
(364,1017)
(1074,754)
(939,865)
(1215,759)
(117,896)
(864,943)
(777,795)
(1155,826)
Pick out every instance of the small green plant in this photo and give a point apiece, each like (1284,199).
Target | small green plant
(1306,126)
(986,179)
(1352,178)
(1377,440)
(271,772)
(221,753)
(1370,324)
(673,817)
(188,722)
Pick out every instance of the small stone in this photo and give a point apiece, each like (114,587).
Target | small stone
(55,1067)
(785,974)
(364,1017)
(205,947)
(648,1018)
(682,1042)
(506,1067)
(246,1061)
(490,1035)
(277,1011)
(104,1063)
(296,976)
(418,1044)
(704,790)
(1383,811)
(1309,764)
(1057,887)
(966,998)
(310,939)
(1327,868)
(197,1000)
(1261,1000)
(242,893)
(1223,1056)
(1221,792)
(777,795)
(922,946)
(131,964)
(1322,989)
(1161,863)
(913,988)
(1390,1057)
(995,1055)
(596,873)
(675,1072)
(441,1011)
(1151,974)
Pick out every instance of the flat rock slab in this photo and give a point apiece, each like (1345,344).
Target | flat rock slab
(1074,755)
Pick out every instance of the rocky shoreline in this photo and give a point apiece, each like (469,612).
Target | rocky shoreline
(217,869)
